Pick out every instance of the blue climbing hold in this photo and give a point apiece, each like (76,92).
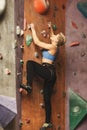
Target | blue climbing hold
(82,7)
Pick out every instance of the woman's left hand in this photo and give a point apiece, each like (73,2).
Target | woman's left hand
(32,26)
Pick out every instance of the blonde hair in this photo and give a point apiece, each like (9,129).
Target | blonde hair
(61,39)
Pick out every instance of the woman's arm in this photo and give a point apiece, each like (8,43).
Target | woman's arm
(37,41)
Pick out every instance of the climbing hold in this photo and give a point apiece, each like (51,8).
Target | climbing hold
(20,90)
(15,44)
(64,94)
(18,73)
(74,73)
(77,109)
(22,47)
(54,27)
(74,25)
(22,62)
(42,105)
(83,35)
(1,57)
(74,44)
(20,123)
(63,6)
(18,30)
(7,71)
(36,55)
(29,40)
(2,6)
(27,121)
(44,33)
(41,6)
(41,91)
(58,115)
(21,32)
(83,54)
(55,8)
(82,7)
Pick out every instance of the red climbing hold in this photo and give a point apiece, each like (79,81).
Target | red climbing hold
(74,25)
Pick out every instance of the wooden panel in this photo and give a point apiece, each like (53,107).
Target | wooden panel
(31,103)
(19,17)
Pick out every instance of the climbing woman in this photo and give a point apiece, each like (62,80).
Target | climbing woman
(45,70)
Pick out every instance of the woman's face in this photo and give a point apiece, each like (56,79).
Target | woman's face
(54,38)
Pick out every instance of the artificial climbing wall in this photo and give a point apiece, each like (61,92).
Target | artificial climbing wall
(76,61)
(32,114)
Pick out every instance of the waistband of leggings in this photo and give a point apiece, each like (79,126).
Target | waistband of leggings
(47,64)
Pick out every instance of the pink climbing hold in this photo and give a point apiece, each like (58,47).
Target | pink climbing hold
(7,71)
(20,90)
(74,44)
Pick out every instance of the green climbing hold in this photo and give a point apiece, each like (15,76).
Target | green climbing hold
(21,62)
(82,7)
(29,40)
(78,109)
(54,27)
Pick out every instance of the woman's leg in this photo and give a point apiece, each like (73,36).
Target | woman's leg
(34,68)
(48,89)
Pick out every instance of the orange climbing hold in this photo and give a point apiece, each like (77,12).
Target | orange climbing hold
(41,6)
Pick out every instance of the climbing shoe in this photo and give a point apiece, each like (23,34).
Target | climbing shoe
(26,87)
(45,126)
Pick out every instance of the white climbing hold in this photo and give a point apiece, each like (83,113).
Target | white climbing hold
(7,71)
(18,30)
(21,32)
(36,54)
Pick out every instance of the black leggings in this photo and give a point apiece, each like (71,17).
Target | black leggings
(48,73)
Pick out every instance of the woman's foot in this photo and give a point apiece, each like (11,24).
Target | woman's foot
(45,126)
(26,87)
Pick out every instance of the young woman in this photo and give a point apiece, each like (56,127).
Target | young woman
(45,70)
